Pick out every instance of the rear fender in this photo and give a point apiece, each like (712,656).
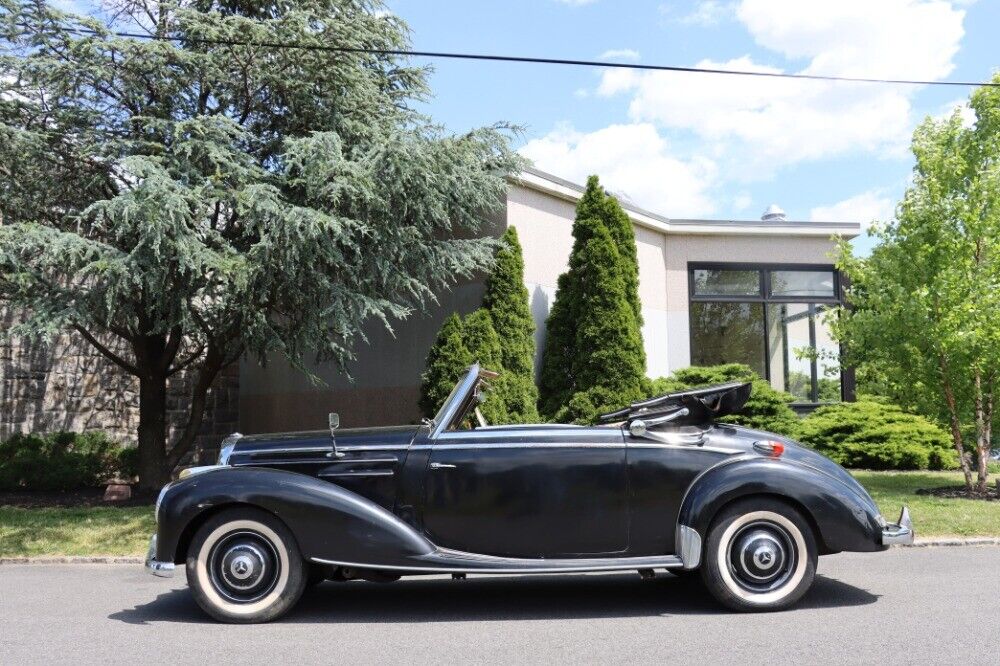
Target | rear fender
(328,521)
(843,520)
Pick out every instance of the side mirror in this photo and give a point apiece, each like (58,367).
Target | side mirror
(334,421)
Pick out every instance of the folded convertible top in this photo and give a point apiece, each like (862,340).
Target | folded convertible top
(703,404)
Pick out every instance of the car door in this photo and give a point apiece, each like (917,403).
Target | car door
(528,492)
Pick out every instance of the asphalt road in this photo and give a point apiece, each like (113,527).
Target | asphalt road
(904,606)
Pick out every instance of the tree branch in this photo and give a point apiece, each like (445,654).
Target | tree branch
(115,358)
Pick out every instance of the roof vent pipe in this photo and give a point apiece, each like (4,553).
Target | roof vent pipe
(773,214)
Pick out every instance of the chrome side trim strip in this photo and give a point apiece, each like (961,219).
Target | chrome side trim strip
(624,564)
(686,447)
(519,445)
(286,449)
(357,475)
(362,461)
(688,546)
(374,447)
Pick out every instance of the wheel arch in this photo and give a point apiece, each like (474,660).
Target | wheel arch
(195,523)
(327,521)
(841,521)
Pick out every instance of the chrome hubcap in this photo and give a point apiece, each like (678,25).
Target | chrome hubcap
(761,556)
(244,566)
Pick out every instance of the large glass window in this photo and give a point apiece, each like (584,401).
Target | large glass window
(770,318)
(728,333)
(726,282)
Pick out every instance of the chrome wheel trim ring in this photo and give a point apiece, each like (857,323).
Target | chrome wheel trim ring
(204,576)
(796,572)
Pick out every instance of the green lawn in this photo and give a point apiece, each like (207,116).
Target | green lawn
(84,531)
(932,516)
(125,531)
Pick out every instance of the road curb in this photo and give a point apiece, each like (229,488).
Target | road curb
(134,559)
(101,559)
(946,541)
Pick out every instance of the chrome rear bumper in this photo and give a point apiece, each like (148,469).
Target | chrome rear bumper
(161,569)
(900,533)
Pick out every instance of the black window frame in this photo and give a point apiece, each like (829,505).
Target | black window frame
(847,380)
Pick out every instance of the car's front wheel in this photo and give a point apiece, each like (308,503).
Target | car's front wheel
(760,555)
(244,566)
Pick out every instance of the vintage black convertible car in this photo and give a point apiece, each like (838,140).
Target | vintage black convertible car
(659,485)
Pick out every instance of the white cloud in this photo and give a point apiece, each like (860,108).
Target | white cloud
(620,54)
(708,13)
(742,201)
(633,159)
(757,124)
(964,110)
(866,208)
(887,38)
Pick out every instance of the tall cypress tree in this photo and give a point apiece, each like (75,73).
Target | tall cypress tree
(483,345)
(593,351)
(506,299)
(446,360)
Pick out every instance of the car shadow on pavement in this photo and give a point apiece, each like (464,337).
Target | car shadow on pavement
(498,598)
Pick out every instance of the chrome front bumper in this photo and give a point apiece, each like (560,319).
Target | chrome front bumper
(161,569)
(900,533)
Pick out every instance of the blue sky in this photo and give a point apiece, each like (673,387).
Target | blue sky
(713,146)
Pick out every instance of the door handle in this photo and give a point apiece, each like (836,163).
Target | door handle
(435,465)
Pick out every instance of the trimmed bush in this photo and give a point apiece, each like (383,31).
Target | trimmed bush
(877,435)
(446,361)
(483,344)
(594,340)
(506,299)
(767,409)
(62,461)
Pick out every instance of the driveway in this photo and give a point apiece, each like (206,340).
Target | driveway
(903,606)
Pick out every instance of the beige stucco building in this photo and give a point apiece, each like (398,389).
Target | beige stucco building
(712,291)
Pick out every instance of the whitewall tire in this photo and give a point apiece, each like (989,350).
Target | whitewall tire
(760,555)
(243,566)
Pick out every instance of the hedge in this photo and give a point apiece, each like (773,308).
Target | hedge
(63,461)
(870,434)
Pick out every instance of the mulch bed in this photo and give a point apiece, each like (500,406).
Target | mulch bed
(959,492)
(88,497)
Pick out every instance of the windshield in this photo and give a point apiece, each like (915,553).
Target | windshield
(440,416)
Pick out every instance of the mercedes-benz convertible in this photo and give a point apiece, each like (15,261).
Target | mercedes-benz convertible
(657,485)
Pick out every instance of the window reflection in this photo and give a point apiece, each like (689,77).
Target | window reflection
(802,356)
(814,284)
(726,282)
(728,333)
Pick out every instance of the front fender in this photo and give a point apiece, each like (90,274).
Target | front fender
(843,519)
(328,521)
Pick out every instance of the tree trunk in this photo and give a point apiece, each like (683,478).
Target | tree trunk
(984,439)
(153,471)
(956,429)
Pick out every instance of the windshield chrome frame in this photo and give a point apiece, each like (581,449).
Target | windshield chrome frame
(449,410)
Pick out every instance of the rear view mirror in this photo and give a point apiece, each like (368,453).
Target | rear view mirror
(334,421)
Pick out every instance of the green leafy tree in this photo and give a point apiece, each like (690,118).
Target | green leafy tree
(446,361)
(184,201)
(506,299)
(593,345)
(484,347)
(766,409)
(925,301)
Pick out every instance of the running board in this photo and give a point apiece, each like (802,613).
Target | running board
(449,561)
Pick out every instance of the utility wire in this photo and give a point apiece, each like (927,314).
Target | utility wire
(527,59)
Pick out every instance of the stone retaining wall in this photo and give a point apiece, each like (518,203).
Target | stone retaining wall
(67,385)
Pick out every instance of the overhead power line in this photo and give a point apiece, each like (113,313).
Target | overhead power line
(448,55)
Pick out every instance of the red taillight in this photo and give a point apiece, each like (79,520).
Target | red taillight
(770,447)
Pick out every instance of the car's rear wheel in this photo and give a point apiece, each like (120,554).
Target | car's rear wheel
(760,555)
(244,566)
